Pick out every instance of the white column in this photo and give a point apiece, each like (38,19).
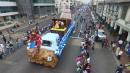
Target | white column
(120,31)
(128,37)
(115,26)
(128,15)
(120,12)
(112,24)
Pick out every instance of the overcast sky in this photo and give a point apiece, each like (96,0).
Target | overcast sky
(85,1)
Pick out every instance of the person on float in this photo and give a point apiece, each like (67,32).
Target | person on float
(34,37)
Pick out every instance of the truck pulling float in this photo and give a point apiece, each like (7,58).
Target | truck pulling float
(53,42)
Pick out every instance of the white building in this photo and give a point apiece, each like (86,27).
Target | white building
(117,13)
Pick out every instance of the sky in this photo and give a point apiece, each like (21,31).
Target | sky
(85,1)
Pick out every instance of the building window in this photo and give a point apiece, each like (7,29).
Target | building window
(8,9)
(124,11)
(8,0)
(43,1)
(117,8)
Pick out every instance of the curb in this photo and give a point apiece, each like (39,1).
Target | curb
(117,61)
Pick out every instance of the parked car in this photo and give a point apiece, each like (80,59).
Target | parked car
(100,35)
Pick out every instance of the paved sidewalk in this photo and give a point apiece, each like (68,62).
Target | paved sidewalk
(124,59)
(22,26)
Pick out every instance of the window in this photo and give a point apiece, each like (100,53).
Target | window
(43,1)
(8,9)
(46,43)
(124,11)
(8,0)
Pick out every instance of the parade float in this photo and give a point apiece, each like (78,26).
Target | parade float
(53,42)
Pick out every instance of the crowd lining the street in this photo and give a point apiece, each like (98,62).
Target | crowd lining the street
(10,43)
(83,64)
(118,46)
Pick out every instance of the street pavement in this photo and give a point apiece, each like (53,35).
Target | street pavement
(102,59)
(17,63)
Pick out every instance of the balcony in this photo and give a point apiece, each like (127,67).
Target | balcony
(6,3)
(8,13)
(44,4)
(116,1)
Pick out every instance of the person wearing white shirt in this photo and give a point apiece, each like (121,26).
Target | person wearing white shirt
(62,24)
(119,54)
(2,51)
(117,51)
(86,35)
(114,46)
(120,43)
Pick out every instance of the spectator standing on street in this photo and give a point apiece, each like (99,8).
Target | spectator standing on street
(113,46)
(11,47)
(120,43)
(19,42)
(86,36)
(119,69)
(120,54)
(7,48)
(2,51)
(117,51)
(4,39)
(1,39)
(10,38)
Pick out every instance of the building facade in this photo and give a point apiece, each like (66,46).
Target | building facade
(42,7)
(30,8)
(8,10)
(117,14)
(60,4)
(94,3)
(13,9)
(25,8)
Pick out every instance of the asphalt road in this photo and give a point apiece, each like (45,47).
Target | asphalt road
(17,63)
(101,59)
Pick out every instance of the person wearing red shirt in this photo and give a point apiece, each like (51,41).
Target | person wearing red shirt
(38,41)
